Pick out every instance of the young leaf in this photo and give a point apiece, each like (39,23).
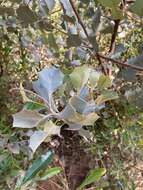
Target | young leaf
(72,117)
(49,127)
(104,82)
(79,76)
(27,119)
(50,173)
(38,165)
(106,96)
(94,176)
(93,78)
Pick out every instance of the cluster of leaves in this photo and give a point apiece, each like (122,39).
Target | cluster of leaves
(80,110)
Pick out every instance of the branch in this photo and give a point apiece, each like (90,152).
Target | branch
(99,55)
(85,31)
(79,19)
(124,64)
(113,39)
(1,69)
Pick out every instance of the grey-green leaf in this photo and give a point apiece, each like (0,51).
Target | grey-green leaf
(50,79)
(36,139)
(27,119)
(50,4)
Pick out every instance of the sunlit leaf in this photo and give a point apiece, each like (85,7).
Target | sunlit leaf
(94,77)
(89,119)
(70,115)
(49,127)
(79,76)
(50,173)
(94,176)
(104,82)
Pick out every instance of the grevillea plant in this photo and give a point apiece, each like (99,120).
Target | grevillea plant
(74,99)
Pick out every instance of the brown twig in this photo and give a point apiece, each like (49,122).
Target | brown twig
(124,64)
(113,39)
(79,19)
(1,69)
(86,33)
(99,55)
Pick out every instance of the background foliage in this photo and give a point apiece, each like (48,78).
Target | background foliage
(81,53)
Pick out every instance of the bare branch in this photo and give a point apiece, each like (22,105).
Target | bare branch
(124,64)
(79,19)
(113,39)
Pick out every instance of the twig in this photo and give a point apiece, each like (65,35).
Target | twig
(99,55)
(113,39)
(1,69)
(79,19)
(86,33)
(124,64)
(58,10)
(59,30)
